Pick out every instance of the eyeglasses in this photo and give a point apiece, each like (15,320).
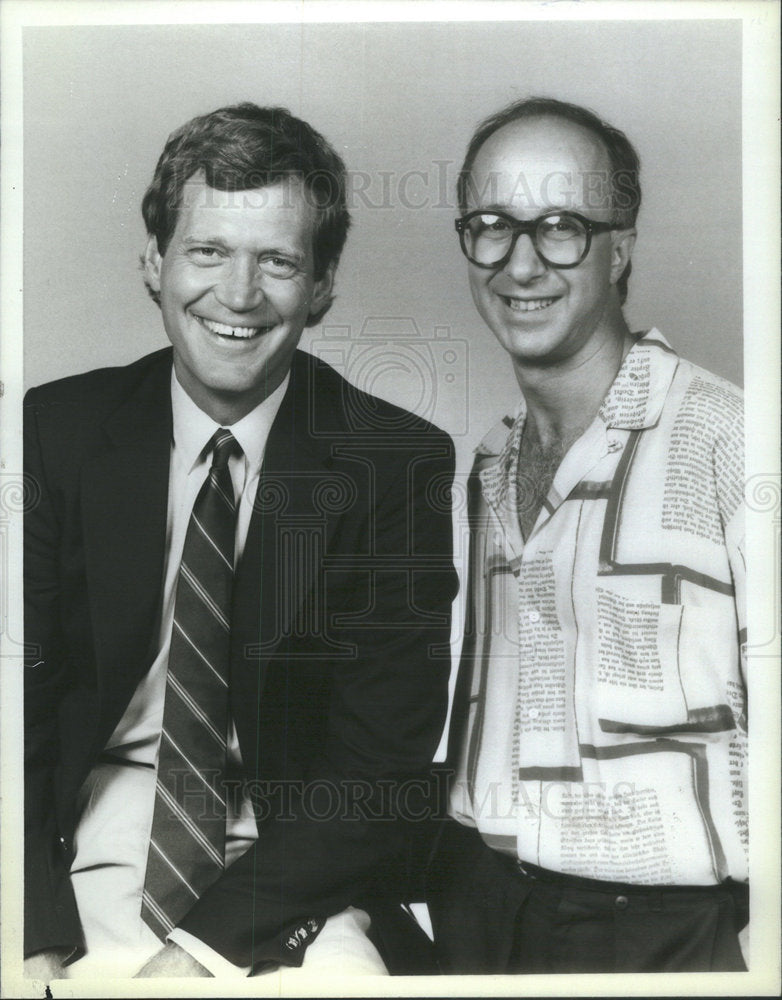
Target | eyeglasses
(561,239)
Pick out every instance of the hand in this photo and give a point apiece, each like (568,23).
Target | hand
(46,965)
(744,943)
(172,961)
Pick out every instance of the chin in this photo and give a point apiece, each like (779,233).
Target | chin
(529,346)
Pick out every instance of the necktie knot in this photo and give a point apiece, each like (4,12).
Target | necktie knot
(222,444)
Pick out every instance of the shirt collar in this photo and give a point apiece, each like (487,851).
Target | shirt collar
(497,459)
(193,428)
(637,394)
(634,401)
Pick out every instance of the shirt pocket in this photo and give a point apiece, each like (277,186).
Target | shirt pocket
(637,670)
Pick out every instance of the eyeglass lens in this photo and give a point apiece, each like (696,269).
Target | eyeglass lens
(559,239)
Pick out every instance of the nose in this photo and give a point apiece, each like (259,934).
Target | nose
(524,264)
(240,287)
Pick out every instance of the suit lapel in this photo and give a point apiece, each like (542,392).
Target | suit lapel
(289,531)
(125,497)
(125,502)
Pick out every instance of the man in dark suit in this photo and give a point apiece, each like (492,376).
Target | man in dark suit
(244,553)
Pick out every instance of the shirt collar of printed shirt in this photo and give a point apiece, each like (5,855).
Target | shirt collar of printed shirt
(633,402)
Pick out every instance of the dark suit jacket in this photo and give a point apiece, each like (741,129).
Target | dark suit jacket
(340,633)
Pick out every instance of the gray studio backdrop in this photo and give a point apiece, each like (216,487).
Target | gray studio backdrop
(399,101)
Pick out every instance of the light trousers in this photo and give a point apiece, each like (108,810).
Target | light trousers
(110,857)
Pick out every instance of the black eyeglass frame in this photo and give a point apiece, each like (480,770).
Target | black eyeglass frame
(530,229)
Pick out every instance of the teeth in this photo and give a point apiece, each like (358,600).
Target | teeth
(529,305)
(224,330)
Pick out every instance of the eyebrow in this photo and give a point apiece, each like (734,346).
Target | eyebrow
(197,241)
(219,241)
(494,208)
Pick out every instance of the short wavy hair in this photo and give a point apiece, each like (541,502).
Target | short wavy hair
(243,147)
(622,155)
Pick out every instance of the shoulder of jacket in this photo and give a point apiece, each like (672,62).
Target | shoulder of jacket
(362,412)
(94,387)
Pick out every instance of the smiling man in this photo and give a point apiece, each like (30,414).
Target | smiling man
(599,810)
(238,590)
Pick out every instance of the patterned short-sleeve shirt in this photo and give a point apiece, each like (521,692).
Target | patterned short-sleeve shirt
(606,733)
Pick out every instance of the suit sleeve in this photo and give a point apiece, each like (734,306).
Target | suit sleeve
(51,918)
(345,831)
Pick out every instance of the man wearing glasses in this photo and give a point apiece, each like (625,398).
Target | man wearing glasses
(599,797)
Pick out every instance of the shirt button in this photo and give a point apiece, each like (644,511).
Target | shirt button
(534,616)
(621,902)
(533,713)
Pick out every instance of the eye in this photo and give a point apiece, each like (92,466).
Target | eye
(560,227)
(489,226)
(205,255)
(277,266)
(493,222)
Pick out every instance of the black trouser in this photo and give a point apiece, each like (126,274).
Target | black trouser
(491,917)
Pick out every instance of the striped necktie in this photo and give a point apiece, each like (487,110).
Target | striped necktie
(187,842)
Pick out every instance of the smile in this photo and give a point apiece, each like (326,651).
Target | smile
(527,305)
(232,332)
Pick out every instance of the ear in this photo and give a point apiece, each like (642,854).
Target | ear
(622,243)
(321,292)
(152,262)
